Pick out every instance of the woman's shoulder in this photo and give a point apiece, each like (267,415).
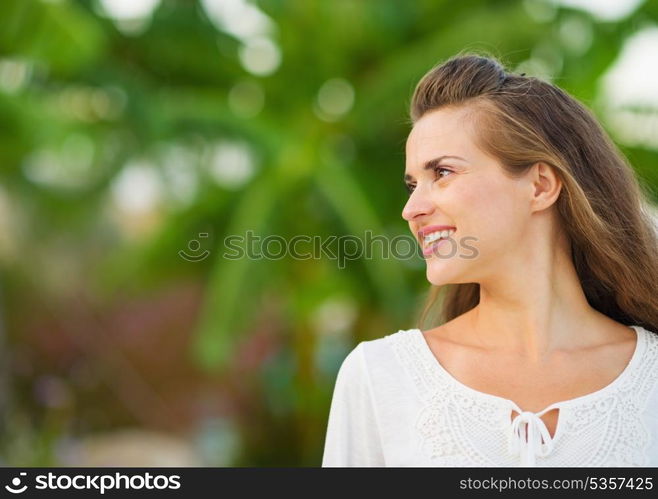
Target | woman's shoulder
(649,358)
(388,367)
(383,354)
(649,338)
(646,373)
(652,335)
(387,348)
(398,360)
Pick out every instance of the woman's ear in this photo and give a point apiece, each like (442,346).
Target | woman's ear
(546,184)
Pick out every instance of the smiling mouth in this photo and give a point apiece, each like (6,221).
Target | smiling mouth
(430,239)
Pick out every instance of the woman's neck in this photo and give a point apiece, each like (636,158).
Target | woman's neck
(538,308)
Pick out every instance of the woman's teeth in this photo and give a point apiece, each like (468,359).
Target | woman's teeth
(434,236)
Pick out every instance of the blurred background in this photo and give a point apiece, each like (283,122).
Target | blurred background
(135,135)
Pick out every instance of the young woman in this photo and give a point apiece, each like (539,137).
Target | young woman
(543,261)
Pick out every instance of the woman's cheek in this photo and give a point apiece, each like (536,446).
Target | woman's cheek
(479,205)
(486,208)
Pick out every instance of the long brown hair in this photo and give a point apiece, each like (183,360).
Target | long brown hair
(602,206)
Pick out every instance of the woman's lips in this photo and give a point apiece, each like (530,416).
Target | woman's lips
(432,228)
(431,249)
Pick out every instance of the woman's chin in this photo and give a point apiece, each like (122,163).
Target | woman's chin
(443,265)
(439,275)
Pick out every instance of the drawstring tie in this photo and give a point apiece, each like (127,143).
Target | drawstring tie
(533,446)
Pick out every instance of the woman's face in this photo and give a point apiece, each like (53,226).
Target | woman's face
(467,191)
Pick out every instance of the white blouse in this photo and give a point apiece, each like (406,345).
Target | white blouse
(395,405)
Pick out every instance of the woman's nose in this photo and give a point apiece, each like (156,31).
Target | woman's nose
(417,205)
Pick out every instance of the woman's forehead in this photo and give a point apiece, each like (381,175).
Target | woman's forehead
(438,134)
(440,129)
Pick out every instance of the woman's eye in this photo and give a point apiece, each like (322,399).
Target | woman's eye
(439,169)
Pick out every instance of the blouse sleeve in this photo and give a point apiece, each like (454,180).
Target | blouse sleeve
(352,437)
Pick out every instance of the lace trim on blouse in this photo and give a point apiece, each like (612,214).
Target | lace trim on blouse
(464,427)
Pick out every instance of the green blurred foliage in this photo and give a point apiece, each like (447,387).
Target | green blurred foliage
(124,141)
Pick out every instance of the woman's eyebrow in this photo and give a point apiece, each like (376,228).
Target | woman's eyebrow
(432,163)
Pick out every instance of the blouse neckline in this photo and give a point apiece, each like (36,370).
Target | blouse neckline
(634,360)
